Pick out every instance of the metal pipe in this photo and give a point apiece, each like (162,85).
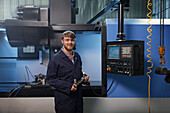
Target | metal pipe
(121,35)
(111,6)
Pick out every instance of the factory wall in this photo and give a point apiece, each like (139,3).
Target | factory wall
(8,8)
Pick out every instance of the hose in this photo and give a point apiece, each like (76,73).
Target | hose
(149,61)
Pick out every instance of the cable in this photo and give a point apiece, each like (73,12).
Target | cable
(20,87)
(162,12)
(149,61)
(19,90)
(35,83)
(161,47)
(15,90)
(28,70)
(164,2)
(27,73)
(160,22)
(24,86)
(104,93)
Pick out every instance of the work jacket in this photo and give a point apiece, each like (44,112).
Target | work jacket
(61,74)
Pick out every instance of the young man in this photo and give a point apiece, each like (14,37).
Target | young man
(64,69)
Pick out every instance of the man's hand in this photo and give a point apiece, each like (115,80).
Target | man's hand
(74,87)
(86,79)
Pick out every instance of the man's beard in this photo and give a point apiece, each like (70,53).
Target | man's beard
(68,48)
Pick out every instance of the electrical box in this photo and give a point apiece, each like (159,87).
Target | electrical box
(125,57)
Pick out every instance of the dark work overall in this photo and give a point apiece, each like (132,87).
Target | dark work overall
(61,73)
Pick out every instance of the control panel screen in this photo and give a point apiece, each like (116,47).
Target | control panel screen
(113,52)
(126,52)
(125,57)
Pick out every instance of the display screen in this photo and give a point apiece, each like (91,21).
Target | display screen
(113,52)
(126,52)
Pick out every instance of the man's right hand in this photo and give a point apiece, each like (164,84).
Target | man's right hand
(74,87)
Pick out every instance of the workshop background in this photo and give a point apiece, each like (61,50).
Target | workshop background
(128,94)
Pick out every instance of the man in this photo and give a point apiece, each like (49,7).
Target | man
(64,69)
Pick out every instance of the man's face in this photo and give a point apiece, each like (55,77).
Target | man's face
(68,43)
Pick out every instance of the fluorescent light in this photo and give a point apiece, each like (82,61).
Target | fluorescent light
(2,29)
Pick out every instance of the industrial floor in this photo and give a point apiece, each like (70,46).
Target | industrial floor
(91,105)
